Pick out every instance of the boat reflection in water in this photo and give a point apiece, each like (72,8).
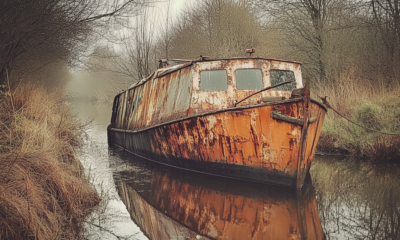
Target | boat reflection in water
(176,204)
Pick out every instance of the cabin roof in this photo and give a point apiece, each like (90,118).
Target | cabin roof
(187,62)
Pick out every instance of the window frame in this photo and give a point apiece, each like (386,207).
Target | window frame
(211,70)
(283,70)
(262,79)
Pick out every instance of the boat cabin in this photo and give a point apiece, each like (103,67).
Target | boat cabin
(196,87)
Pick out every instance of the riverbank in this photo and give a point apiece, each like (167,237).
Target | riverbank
(44,193)
(370,104)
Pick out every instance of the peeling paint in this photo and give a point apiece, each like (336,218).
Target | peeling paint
(167,117)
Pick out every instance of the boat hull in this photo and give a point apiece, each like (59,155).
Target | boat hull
(248,143)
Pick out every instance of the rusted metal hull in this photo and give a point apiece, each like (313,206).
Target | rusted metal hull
(169,204)
(249,143)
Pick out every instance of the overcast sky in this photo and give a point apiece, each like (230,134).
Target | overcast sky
(175,5)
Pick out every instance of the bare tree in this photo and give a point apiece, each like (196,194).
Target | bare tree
(386,15)
(28,25)
(219,28)
(165,29)
(141,50)
(308,26)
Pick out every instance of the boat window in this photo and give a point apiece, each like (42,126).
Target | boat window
(249,79)
(213,80)
(280,76)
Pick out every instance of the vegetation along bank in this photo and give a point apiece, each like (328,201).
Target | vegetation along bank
(43,194)
(371,105)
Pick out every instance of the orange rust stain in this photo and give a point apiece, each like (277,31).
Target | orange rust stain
(249,138)
(314,131)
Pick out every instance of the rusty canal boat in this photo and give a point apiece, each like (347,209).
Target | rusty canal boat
(245,118)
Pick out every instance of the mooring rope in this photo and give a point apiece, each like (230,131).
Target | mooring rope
(325,102)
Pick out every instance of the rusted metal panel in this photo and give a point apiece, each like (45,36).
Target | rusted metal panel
(129,108)
(211,100)
(250,138)
(133,119)
(141,106)
(168,96)
(156,104)
(121,111)
(313,133)
(147,96)
(184,93)
(132,122)
(172,91)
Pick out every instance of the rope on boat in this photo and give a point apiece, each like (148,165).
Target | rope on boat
(325,102)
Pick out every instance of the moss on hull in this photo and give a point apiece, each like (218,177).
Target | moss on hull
(43,193)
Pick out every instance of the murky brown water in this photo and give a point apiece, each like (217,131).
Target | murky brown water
(343,199)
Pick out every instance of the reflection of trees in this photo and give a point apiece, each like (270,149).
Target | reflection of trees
(357,200)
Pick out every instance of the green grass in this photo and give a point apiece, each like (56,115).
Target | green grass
(374,108)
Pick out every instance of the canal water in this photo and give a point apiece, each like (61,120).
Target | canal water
(343,198)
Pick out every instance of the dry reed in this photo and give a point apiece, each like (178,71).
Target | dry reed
(373,104)
(43,194)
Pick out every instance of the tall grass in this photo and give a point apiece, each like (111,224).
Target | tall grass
(42,192)
(369,103)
